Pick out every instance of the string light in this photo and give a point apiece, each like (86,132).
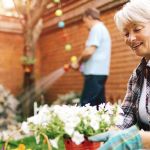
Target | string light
(73,59)
(56,1)
(61,24)
(58,12)
(68,47)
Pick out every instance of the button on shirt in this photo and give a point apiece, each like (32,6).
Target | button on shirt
(99,62)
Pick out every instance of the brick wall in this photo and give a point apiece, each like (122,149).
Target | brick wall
(11,71)
(11,74)
(53,56)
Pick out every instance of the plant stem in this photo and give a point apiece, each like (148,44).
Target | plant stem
(48,143)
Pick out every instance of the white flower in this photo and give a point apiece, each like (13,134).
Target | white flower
(5,135)
(106,118)
(94,124)
(77,138)
(39,119)
(102,106)
(120,111)
(69,130)
(25,128)
(119,120)
(44,110)
(34,119)
(109,108)
(54,142)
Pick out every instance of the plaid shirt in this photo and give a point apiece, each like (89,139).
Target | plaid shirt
(131,101)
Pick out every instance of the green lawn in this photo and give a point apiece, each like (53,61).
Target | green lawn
(30,143)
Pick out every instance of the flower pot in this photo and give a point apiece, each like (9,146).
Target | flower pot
(28,68)
(86,145)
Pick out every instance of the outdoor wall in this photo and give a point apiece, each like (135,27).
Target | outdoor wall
(53,56)
(11,73)
(11,70)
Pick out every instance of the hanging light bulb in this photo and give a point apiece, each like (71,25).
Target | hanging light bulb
(68,47)
(61,24)
(73,59)
(58,12)
(56,1)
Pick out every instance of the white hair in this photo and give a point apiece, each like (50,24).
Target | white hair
(133,12)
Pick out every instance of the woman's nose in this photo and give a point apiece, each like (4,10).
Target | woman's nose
(131,38)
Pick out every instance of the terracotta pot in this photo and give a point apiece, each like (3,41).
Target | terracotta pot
(28,68)
(86,145)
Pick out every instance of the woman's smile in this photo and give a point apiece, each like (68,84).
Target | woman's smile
(136,45)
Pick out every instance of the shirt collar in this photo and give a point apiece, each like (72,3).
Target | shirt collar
(148,63)
(141,66)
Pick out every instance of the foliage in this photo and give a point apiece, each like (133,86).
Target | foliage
(30,143)
(28,60)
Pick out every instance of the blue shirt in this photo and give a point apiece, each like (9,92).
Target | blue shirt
(99,62)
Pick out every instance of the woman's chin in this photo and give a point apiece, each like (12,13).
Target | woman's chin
(140,54)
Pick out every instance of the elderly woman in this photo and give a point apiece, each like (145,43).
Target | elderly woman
(133,21)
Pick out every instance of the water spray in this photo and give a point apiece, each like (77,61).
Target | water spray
(47,81)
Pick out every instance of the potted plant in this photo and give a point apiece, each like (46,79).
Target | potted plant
(73,123)
(28,63)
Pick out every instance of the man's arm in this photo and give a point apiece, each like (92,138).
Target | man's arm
(86,54)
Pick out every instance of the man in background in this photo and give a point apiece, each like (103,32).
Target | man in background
(95,59)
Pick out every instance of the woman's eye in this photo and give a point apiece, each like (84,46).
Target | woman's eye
(126,34)
(137,29)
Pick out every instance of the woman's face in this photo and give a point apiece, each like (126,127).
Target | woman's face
(137,36)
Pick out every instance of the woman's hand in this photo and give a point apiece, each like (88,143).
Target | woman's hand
(126,139)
